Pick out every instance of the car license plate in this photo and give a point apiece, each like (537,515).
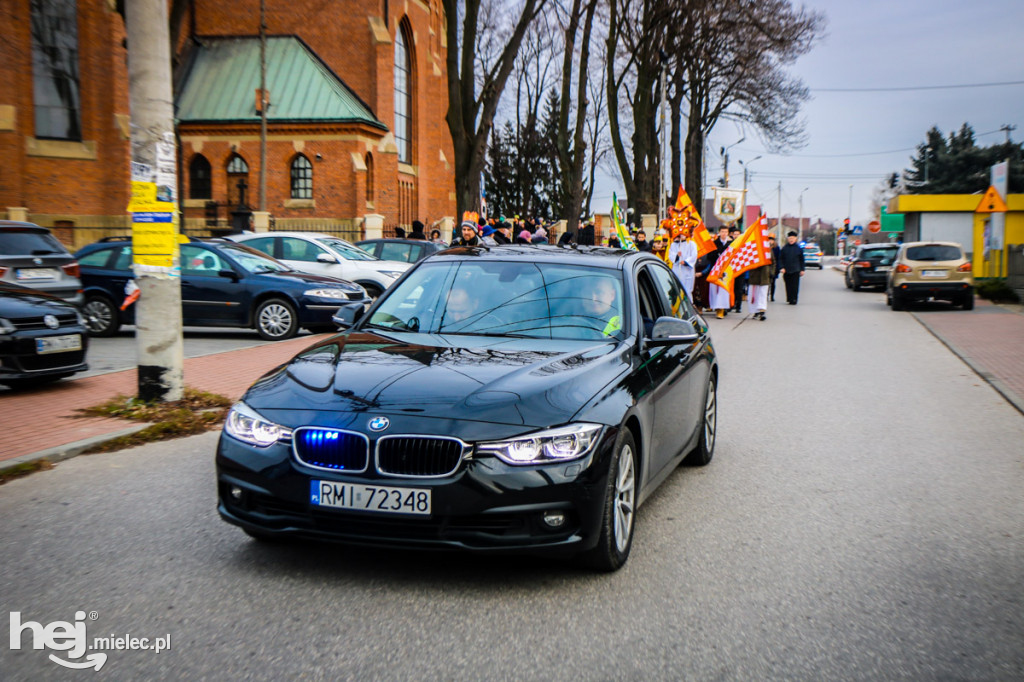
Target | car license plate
(371,498)
(59,344)
(883,268)
(934,273)
(36,273)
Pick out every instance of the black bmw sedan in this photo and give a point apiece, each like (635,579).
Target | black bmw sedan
(509,399)
(42,337)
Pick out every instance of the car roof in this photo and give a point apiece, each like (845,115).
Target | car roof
(601,256)
(276,233)
(397,240)
(11,224)
(956,244)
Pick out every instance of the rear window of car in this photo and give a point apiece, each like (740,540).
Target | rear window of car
(886,254)
(28,243)
(934,252)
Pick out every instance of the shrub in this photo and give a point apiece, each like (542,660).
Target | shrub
(997,291)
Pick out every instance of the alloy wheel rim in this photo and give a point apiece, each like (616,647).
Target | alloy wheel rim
(710,418)
(97,315)
(275,320)
(625,492)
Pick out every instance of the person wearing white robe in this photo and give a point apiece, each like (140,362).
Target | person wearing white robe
(682,256)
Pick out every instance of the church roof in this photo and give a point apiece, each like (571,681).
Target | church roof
(224,75)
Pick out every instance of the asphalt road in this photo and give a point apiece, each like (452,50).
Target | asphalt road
(862,520)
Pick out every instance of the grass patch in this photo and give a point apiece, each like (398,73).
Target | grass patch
(24,469)
(197,412)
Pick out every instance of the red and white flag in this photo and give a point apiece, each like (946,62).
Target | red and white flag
(750,250)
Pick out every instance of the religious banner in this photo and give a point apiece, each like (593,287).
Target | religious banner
(728,204)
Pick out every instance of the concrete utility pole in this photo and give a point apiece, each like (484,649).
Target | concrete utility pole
(158,337)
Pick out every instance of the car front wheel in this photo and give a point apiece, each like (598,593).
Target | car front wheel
(619,514)
(276,320)
(101,316)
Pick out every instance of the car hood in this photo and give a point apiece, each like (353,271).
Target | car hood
(524,382)
(18,302)
(304,278)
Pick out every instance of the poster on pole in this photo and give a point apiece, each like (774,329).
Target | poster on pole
(728,204)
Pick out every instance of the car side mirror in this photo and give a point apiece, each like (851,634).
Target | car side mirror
(671,331)
(228,274)
(325,258)
(348,314)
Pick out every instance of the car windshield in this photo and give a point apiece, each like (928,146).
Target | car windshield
(545,301)
(346,250)
(28,243)
(252,260)
(932,252)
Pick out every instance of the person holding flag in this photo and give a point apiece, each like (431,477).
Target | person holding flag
(719,295)
(751,250)
(761,278)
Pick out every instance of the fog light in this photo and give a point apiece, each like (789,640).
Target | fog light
(236,493)
(554,519)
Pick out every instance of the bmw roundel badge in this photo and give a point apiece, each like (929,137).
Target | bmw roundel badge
(379,423)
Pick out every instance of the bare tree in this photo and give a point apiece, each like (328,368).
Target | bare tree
(477,73)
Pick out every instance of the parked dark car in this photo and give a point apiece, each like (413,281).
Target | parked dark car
(223,284)
(522,398)
(42,337)
(870,265)
(32,257)
(406,250)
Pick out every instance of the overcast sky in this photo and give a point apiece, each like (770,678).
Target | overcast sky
(859,137)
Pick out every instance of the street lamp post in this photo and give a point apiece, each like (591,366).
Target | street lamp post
(746,169)
(725,158)
(800,220)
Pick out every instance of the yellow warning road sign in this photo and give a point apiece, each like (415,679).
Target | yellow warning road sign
(991,202)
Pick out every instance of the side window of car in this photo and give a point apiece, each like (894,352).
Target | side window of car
(123,260)
(200,262)
(96,259)
(300,250)
(650,306)
(672,295)
(395,251)
(264,244)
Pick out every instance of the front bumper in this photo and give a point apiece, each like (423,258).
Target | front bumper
(20,361)
(485,506)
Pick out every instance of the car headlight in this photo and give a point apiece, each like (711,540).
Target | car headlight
(5,326)
(247,425)
(327,293)
(391,273)
(552,445)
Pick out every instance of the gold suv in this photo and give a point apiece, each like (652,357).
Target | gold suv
(930,270)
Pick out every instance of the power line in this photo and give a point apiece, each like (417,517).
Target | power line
(920,87)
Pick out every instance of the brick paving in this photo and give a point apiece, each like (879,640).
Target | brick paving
(35,420)
(990,340)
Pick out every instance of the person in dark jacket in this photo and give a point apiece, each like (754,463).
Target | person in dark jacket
(470,234)
(502,233)
(565,239)
(417,231)
(641,242)
(791,267)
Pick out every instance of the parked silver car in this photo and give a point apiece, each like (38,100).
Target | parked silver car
(324,254)
(32,257)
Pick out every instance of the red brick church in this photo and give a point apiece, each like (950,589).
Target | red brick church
(356,120)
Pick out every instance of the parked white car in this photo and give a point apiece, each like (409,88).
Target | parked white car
(323,254)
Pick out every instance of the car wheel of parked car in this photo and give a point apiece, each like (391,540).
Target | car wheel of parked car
(857,286)
(846,280)
(619,515)
(372,290)
(705,449)
(101,316)
(897,302)
(276,320)
(968,301)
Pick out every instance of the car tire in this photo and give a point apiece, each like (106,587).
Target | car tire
(846,280)
(705,449)
(101,315)
(898,302)
(857,286)
(888,298)
(275,319)
(968,301)
(372,290)
(619,513)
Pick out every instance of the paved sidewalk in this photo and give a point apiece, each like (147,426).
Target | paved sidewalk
(43,423)
(990,339)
